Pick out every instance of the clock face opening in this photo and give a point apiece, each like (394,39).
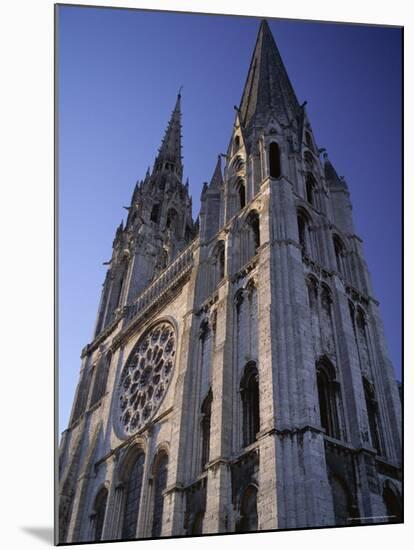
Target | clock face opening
(146,376)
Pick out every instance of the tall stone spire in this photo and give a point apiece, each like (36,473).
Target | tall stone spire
(169,155)
(268,88)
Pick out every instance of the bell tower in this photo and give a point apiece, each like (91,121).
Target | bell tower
(158,226)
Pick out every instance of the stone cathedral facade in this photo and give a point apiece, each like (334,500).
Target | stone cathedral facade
(238,378)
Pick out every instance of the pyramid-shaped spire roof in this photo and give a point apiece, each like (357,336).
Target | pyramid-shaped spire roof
(267,87)
(170,150)
(217,178)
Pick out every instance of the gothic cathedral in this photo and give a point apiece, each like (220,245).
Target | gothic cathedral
(238,378)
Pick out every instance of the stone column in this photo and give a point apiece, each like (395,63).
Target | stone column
(219,481)
(303,492)
(267,503)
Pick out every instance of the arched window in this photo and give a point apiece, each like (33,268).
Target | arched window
(221,262)
(339,254)
(101,378)
(345,508)
(133,497)
(392,503)
(83,393)
(310,189)
(159,485)
(253,223)
(249,390)
(274,160)
(241,191)
(100,509)
(248,510)
(304,231)
(197,526)
(373,417)
(327,394)
(205,429)
(173,222)
(312,292)
(236,142)
(155,213)
(242,195)
(216,266)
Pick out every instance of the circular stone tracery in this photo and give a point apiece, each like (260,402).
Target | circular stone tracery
(145,377)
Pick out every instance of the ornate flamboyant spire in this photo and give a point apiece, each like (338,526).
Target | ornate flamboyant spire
(169,156)
(268,88)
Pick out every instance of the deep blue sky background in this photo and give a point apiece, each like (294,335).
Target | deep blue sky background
(119,73)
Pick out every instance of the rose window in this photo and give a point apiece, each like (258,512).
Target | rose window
(145,377)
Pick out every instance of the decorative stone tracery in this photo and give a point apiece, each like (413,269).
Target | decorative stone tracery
(146,376)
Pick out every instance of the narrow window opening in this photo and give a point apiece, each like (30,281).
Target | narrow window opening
(205,429)
(250,404)
(339,254)
(393,505)
(255,227)
(173,222)
(248,511)
(302,230)
(372,412)
(197,526)
(221,259)
(327,390)
(242,194)
(132,499)
(155,212)
(345,508)
(310,188)
(100,509)
(274,160)
(160,483)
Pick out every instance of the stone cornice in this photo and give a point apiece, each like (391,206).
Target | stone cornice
(246,269)
(358,295)
(151,309)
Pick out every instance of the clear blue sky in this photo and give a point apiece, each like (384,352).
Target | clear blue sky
(119,73)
